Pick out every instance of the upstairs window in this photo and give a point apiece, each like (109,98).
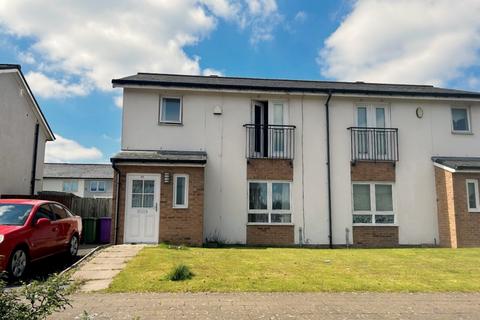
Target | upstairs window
(373,203)
(472,196)
(171,110)
(460,120)
(180,191)
(70,186)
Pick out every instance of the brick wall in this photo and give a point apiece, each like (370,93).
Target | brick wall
(457,227)
(179,226)
(268,169)
(445,208)
(375,236)
(372,171)
(467,223)
(280,235)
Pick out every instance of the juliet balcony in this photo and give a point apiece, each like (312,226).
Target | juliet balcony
(270,141)
(374,144)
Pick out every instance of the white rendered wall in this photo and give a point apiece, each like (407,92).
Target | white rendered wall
(17,130)
(223,138)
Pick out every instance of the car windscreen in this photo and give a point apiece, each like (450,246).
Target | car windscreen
(14,214)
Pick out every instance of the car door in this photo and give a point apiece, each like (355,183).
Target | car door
(63,223)
(43,238)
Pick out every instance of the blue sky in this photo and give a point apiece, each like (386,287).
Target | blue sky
(70,50)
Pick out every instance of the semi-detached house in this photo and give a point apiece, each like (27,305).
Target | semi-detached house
(287,162)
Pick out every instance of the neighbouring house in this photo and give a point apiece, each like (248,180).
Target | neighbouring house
(23,134)
(83,180)
(290,162)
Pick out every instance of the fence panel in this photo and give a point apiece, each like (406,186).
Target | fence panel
(92,207)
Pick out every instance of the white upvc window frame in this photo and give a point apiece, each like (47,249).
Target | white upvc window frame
(269,211)
(70,182)
(161,106)
(97,183)
(373,212)
(185,191)
(477,197)
(469,120)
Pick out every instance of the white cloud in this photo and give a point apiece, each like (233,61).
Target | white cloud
(95,41)
(301,16)
(118,100)
(46,87)
(66,150)
(430,41)
(211,72)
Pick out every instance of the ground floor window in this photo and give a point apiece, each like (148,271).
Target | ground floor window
(97,186)
(373,203)
(269,202)
(472,195)
(180,191)
(70,186)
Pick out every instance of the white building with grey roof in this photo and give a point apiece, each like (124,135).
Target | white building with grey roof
(288,162)
(83,180)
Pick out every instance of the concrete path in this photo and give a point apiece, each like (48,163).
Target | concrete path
(99,271)
(326,306)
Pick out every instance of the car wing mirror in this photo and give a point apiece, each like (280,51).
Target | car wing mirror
(42,222)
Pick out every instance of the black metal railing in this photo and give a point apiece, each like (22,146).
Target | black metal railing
(270,141)
(374,144)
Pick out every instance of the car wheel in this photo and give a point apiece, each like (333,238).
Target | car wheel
(18,263)
(73,246)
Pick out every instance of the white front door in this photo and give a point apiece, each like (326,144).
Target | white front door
(142,210)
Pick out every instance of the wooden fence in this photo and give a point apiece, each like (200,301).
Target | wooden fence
(92,207)
(84,207)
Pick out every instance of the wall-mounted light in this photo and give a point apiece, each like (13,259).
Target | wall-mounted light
(217,110)
(166,177)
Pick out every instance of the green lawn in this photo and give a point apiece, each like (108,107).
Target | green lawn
(279,269)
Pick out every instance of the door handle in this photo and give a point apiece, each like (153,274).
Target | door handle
(156,206)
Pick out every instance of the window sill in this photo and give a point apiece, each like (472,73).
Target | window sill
(269,224)
(463,133)
(375,224)
(164,123)
(474,211)
(180,207)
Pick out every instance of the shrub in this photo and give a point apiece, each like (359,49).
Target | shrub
(179,273)
(36,300)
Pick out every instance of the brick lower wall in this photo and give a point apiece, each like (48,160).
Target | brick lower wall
(457,227)
(268,169)
(445,208)
(375,236)
(178,226)
(467,223)
(373,171)
(280,235)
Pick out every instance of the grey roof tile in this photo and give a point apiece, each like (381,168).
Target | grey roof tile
(284,85)
(79,171)
(459,163)
(161,156)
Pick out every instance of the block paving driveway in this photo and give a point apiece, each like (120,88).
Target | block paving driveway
(326,306)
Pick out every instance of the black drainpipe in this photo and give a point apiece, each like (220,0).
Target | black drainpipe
(117,193)
(34,162)
(327,117)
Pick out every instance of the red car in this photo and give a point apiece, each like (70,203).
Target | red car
(34,229)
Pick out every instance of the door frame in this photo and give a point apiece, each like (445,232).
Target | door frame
(156,199)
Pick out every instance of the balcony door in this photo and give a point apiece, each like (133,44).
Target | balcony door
(277,132)
(270,138)
(372,140)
